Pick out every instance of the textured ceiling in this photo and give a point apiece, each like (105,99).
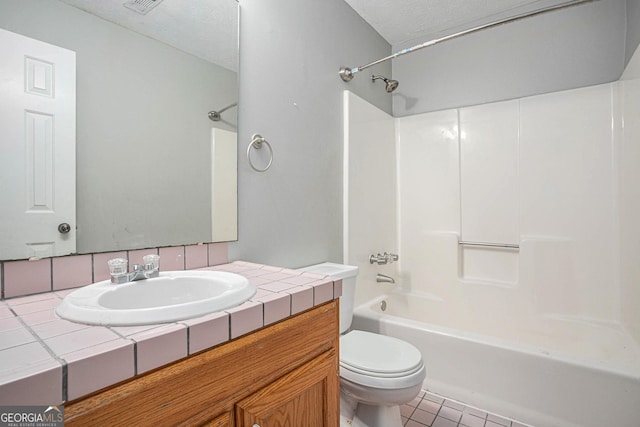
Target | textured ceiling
(401,21)
(209,28)
(205,28)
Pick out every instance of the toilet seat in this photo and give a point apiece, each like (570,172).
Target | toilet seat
(379,361)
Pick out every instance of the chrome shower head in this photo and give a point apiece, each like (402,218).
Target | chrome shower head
(391,85)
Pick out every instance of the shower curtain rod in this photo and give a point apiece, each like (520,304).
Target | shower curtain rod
(347,73)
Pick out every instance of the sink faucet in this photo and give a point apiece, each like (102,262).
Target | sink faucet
(119,274)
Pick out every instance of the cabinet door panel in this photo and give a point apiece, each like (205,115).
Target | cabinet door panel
(303,397)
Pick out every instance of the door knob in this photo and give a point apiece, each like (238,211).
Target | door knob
(64,228)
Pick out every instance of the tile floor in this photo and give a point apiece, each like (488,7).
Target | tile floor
(431,410)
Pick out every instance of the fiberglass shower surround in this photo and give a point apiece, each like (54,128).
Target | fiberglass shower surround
(549,177)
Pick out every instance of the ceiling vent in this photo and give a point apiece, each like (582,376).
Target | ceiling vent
(141,6)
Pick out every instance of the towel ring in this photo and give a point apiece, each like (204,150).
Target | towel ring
(256,142)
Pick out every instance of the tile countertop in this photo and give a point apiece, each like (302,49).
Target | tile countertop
(45,360)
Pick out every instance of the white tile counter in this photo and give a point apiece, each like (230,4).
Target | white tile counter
(45,360)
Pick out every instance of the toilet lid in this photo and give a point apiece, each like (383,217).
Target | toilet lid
(378,355)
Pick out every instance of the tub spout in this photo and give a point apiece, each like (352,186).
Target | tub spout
(381,278)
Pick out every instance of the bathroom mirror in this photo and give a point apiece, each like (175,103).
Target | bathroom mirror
(145,145)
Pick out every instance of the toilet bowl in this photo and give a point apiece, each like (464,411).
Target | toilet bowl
(377,373)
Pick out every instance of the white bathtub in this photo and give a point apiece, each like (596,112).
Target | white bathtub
(539,369)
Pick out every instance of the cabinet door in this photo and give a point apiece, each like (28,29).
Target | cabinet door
(308,396)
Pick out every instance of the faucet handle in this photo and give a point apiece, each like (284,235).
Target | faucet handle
(377,259)
(384,258)
(118,266)
(151,265)
(391,257)
(151,262)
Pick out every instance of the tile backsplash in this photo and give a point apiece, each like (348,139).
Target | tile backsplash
(25,277)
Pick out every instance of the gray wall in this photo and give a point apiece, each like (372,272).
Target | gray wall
(574,47)
(290,92)
(143,135)
(633,29)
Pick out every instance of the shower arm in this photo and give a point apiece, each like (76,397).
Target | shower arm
(215,115)
(227,107)
(347,73)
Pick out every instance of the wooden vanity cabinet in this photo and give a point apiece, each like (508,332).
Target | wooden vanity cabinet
(297,399)
(282,375)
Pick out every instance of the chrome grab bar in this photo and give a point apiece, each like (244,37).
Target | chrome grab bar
(491,245)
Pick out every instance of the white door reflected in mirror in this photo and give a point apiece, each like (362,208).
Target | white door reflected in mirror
(224,185)
(37,146)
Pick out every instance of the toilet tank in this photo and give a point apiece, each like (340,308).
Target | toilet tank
(348,274)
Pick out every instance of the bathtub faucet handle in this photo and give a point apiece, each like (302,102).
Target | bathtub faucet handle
(385,258)
(377,259)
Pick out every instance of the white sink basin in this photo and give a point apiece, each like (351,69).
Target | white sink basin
(174,295)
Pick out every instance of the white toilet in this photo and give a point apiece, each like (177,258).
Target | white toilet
(377,373)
